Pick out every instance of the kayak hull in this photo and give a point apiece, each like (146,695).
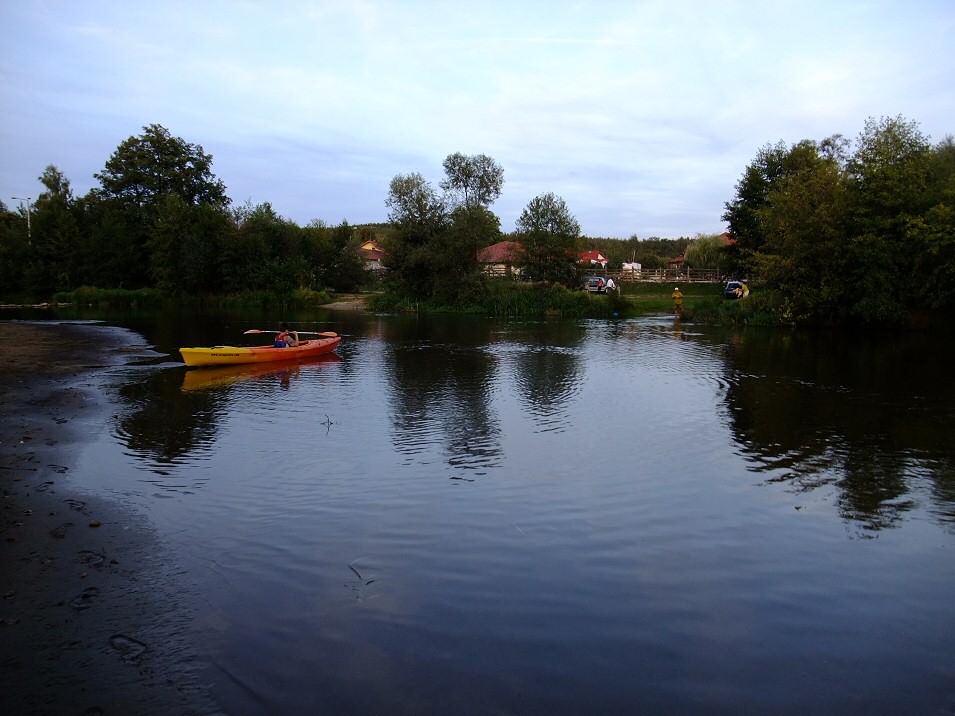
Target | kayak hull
(233,355)
(215,376)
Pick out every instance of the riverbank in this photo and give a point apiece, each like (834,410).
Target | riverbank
(93,615)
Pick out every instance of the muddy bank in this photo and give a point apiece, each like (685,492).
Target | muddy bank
(93,611)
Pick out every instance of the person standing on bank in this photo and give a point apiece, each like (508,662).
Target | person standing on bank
(286,338)
(677,301)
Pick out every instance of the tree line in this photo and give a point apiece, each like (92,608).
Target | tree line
(161,219)
(850,232)
(833,231)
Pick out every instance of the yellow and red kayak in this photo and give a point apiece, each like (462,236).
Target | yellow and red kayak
(233,355)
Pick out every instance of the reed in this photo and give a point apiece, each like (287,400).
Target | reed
(112,297)
(506,298)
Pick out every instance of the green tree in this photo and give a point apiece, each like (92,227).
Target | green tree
(471,181)
(261,256)
(851,234)
(752,194)
(419,215)
(55,250)
(934,233)
(137,178)
(806,224)
(146,168)
(431,250)
(14,252)
(706,251)
(459,278)
(344,268)
(888,180)
(110,258)
(185,246)
(550,238)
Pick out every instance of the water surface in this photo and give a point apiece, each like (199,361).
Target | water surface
(465,516)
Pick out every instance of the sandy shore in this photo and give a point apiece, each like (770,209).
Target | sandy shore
(94,615)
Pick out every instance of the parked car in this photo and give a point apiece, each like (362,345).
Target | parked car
(735,290)
(595,284)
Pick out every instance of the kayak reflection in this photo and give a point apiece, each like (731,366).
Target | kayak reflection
(202,378)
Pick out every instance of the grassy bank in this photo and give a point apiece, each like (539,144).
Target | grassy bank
(701,302)
(155,298)
(507,298)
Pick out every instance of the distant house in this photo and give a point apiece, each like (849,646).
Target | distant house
(372,254)
(676,263)
(593,258)
(728,239)
(501,259)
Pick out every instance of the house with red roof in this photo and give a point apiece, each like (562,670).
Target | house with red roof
(593,258)
(372,253)
(501,259)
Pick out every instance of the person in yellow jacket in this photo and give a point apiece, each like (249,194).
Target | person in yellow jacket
(677,301)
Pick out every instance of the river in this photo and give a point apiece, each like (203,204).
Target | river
(471,516)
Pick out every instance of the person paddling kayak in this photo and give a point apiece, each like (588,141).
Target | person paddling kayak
(286,338)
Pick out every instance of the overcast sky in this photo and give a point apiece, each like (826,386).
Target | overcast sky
(640,115)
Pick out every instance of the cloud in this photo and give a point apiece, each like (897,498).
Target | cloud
(641,115)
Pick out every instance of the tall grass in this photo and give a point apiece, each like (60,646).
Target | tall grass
(112,297)
(507,298)
(762,309)
(154,298)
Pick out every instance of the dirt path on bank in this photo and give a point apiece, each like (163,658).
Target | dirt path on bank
(348,302)
(91,615)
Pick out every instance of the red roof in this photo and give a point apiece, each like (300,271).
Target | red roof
(503,252)
(371,251)
(594,256)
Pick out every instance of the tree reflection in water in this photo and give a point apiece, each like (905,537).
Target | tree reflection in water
(870,415)
(439,386)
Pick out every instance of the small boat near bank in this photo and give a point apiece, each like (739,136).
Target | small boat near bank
(236,355)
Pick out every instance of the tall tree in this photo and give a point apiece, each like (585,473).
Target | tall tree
(419,215)
(806,224)
(550,238)
(56,242)
(888,180)
(14,253)
(137,179)
(146,168)
(935,232)
(459,278)
(471,181)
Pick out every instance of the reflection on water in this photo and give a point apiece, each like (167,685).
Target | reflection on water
(441,403)
(546,379)
(284,373)
(459,516)
(870,416)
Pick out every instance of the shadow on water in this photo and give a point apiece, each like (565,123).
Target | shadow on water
(868,414)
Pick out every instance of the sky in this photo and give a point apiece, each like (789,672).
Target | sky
(640,115)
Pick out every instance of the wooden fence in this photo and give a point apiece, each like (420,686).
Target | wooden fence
(645,275)
(687,275)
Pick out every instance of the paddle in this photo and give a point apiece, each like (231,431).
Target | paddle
(327,334)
